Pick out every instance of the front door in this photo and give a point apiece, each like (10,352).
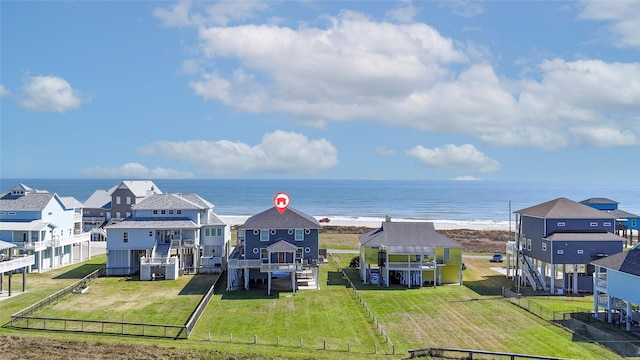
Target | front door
(282,257)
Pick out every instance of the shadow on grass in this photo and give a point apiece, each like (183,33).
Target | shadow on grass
(335,278)
(198,285)
(80,271)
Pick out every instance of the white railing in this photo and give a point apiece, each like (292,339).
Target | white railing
(238,263)
(281,267)
(183,243)
(160,260)
(17,263)
(511,248)
(600,280)
(411,266)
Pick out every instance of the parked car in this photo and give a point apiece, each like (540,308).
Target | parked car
(496,258)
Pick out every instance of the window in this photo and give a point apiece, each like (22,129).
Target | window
(125,236)
(593,223)
(163,212)
(170,212)
(207,232)
(13,213)
(178,212)
(128,200)
(529,244)
(3,213)
(155,212)
(50,213)
(560,252)
(561,224)
(117,214)
(264,235)
(219,231)
(580,252)
(447,254)
(150,233)
(299,253)
(299,235)
(118,200)
(264,254)
(128,214)
(606,224)
(544,246)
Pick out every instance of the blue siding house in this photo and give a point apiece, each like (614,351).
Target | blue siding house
(273,245)
(45,225)
(557,240)
(626,222)
(616,284)
(167,235)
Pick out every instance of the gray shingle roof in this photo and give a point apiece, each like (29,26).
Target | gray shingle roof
(99,199)
(290,219)
(626,262)
(597,200)
(154,223)
(563,208)
(281,246)
(71,203)
(170,201)
(27,202)
(407,235)
(621,214)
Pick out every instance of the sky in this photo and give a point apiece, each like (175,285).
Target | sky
(434,90)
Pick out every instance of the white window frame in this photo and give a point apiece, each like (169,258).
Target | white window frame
(606,224)
(446,254)
(544,246)
(560,252)
(117,200)
(580,252)
(561,224)
(264,234)
(528,244)
(593,224)
(125,237)
(128,200)
(264,254)
(299,235)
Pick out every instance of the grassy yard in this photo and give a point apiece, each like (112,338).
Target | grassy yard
(304,324)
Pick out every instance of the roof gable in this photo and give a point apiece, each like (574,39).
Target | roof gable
(140,188)
(168,202)
(290,219)
(563,208)
(282,246)
(627,262)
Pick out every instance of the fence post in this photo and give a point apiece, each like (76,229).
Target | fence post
(324,344)
(348,346)
(209,336)
(375,348)
(277,340)
(230,337)
(300,342)
(255,339)
(393,349)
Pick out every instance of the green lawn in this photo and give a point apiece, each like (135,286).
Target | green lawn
(302,325)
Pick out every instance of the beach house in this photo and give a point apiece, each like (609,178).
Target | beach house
(274,246)
(616,281)
(626,222)
(556,241)
(409,253)
(45,225)
(167,235)
(112,205)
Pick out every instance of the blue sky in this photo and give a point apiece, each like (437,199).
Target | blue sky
(537,90)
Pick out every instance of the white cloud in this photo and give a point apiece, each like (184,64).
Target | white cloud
(464,8)
(462,158)
(465,178)
(405,12)
(134,171)
(359,69)
(383,151)
(49,93)
(279,153)
(197,14)
(623,18)
(605,137)
(4,91)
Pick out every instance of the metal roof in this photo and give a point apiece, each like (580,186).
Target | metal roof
(406,235)
(290,219)
(100,199)
(563,208)
(140,188)
(6,245)
(627,262)
(34,225)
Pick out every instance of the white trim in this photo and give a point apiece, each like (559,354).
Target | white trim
(273,231)
(256,232)
(256,250)
(290,231)
(307,231)
(307,250)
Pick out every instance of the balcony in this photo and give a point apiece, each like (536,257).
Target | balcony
(600,281)
(411,265)
(158,260)
(275,267)
(16,263)
(244,264)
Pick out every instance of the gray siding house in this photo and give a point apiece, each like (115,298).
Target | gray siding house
(557,240)
(273,245)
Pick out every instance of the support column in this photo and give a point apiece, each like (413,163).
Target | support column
(628,314)
(1,282)
(293,281)
(246,278)
(269,284)
(609,310)
(553,278)
(10,275)
(575,278)
(24,279)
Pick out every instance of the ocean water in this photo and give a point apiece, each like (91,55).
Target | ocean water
(449,204)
